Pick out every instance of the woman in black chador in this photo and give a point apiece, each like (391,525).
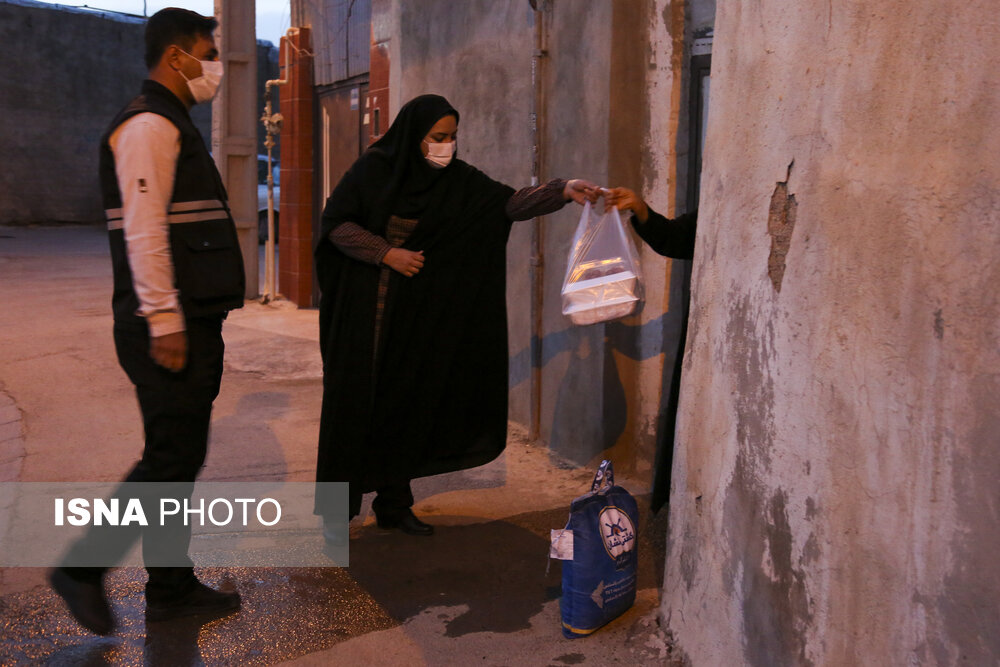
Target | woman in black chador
(413,320)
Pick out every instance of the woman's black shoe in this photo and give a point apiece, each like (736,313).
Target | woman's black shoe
(406,522)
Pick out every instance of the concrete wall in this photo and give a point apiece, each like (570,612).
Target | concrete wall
(835,495)
(602,387)
(56,102)
(74,71)
(593,400)
(478,55)
(341,35)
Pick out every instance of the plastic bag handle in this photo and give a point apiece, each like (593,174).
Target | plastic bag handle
(575,248)
(605,476)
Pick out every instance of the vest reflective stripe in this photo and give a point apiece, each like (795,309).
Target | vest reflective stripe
(175,207)
(173,218)
(197,216)
(181,206)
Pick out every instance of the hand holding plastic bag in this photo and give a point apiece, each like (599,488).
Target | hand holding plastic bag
(603,279)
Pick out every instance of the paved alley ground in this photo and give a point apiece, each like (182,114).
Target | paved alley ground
(476,593)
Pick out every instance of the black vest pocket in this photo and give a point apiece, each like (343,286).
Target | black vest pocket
(207,262)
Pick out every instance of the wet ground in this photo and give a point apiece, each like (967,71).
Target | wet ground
(476,586)
(286,613)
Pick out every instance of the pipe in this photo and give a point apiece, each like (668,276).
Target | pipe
(541,8)
(272,123)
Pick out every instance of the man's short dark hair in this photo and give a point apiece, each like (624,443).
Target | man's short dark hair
(175,26)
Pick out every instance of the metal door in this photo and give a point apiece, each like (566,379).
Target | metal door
(341,138)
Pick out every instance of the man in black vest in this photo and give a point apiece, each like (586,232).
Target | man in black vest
(177,272)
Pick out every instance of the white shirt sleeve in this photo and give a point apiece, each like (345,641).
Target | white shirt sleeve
(146,148)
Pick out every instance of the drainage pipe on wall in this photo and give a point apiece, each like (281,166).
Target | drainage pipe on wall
(542,9)
(272,124)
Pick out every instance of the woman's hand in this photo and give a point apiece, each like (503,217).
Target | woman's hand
(624,198)
(406,262)
(580,191)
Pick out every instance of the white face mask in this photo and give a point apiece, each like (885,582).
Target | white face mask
(204,87)
(439,154)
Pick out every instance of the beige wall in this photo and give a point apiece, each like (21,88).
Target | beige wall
(835,498)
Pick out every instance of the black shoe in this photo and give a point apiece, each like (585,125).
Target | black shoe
(199,600)
(86,601)
(406,522)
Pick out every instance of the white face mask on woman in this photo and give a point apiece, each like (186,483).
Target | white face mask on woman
(439,154)
(204,87)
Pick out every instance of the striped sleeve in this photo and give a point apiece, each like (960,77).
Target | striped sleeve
(533,201)
(358,243)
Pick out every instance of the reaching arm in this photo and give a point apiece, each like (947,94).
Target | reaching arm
(670,238)
(537,200)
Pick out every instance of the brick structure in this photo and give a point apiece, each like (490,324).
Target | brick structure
(297,202)
(377,104)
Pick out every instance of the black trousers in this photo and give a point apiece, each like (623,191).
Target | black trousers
(176,413)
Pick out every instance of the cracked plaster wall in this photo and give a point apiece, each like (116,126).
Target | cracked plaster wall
(835,486)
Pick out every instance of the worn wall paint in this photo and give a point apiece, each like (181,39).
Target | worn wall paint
(835,490)
(780,225)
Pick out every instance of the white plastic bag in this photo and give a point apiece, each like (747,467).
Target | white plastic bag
(603,280)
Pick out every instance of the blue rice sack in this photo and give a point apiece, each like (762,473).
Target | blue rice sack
(598,548)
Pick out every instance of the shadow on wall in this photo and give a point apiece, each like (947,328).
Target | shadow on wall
(592,404)
(591,407)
